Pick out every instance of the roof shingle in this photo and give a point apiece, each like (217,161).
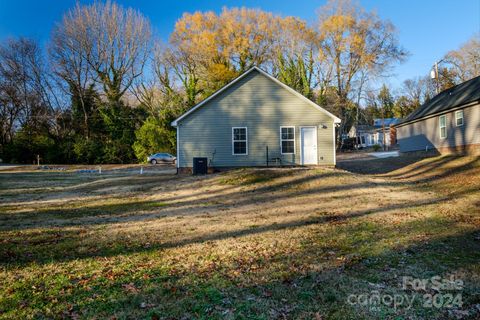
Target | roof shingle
(466,92)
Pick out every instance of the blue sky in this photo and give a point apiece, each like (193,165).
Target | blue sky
(427,28)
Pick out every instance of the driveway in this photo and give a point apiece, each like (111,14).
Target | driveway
(385,154)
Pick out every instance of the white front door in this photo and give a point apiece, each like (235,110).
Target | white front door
(309,145)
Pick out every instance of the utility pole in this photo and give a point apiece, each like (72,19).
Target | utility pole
(434,75)
(383,128)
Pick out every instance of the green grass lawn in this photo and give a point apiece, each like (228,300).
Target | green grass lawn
(245,244)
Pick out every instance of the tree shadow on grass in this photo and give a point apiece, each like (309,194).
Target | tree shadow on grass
(429,171)
(421,168)
(137,210)
(57,244)
(205,201)
(278,286)
(472,164)
(377,165)
(65,244)
(386,166)
(92,186)
(306,293)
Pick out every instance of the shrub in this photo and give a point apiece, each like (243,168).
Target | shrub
(88,151)
(153,137)
(29,143)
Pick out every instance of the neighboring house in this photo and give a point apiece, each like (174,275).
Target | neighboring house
(235,126)
(370,135)
(448,123)
(364,134)
(386,126)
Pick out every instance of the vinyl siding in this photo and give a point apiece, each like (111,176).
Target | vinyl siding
(261,105)
(424,134)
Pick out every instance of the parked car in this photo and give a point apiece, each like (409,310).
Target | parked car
(348,144)
(161,157)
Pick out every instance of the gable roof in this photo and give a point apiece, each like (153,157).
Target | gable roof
(379,123)
(218,92)
(459,95)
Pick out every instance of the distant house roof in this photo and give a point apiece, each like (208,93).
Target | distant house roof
(377,123)
(359,129)
(466,92)
(364,127)
(355,130)
(310,102)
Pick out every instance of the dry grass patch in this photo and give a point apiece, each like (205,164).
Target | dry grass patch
(250,243)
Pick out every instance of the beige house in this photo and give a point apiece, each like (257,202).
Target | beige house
(256,120)
(448,123)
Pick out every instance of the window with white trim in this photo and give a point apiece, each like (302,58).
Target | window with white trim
(442,120)
(239,141)
(459,118)
(287,140)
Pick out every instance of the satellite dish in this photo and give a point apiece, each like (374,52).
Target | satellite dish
(433,74)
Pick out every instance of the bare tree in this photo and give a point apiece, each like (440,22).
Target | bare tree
(183,68)
(465,62)
(418,90)
(10,109)
(111,45)
(69,56)
(25,91)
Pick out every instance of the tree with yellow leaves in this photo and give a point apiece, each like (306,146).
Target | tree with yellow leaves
(293,60)
(357,45)
(328,63)
(217,48)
